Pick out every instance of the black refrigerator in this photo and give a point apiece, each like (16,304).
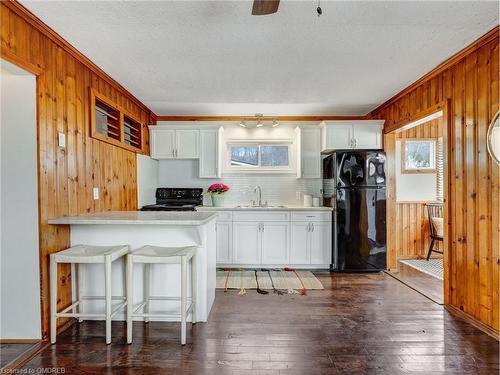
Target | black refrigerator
(354,185)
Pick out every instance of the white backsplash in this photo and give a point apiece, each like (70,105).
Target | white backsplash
(276,188)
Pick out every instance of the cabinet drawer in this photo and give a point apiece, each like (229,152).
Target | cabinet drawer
(312,216)
(224,215)
(261,216)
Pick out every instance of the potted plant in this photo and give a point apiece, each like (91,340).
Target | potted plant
(217,193)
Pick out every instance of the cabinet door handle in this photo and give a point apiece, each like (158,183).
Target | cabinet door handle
(262,227)
(308,227)
(312,227)
(173,152)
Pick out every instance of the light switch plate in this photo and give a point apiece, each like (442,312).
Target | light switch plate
(61,139)
(95,193)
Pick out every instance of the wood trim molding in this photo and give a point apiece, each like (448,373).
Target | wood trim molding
(263,118)
(472,321)
(415,117)
(486,38)
(14,59)
(34,21)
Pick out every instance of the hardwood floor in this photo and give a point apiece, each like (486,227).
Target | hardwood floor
(428,285)
(9,352)
(360,324)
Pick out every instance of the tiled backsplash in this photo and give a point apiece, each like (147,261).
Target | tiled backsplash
(276,188)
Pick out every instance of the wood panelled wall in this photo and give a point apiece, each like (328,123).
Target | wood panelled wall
(67,175)
(470,82)
(411,232)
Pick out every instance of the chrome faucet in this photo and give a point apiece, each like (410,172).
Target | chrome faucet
(258,190)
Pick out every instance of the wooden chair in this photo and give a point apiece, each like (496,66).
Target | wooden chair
(435,213)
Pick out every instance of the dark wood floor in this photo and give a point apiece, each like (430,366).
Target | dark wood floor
(426,284)
(9,352)
(360,324)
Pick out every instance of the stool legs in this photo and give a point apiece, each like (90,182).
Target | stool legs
(183,299)
(53,299)
(147,280)
(80,268)
(130,294)
(194,287)
(107,273)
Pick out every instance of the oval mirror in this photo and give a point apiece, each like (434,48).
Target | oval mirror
(494,138)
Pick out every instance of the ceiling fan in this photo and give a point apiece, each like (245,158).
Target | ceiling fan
(263,7)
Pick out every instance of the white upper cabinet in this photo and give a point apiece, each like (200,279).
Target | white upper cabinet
(352,134)
(310,153)
(186,144)
(169,143)
(162,142)
(368,136)
(209,153)
(336,137)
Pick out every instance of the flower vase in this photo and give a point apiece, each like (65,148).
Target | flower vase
(217,200)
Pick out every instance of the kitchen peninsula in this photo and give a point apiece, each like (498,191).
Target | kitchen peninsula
(136,229)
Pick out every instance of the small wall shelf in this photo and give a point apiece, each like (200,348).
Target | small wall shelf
(112,124)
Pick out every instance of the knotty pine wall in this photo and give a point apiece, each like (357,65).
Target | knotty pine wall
(470,83)
(409,224)
(67,175)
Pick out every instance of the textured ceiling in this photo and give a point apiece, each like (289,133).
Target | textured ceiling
(213,57)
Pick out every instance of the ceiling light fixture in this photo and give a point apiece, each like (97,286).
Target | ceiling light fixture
(259,124)
(242,124)
(275,123)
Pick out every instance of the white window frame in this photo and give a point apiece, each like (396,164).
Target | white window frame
(235,169)
(433,157)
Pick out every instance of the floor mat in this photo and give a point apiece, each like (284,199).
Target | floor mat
(282,280)
(433,267)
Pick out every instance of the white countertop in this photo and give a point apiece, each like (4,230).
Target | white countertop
(175,218)
(272,208)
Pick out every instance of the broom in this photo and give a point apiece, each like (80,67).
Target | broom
(303,290)
(260,291)
(276,291)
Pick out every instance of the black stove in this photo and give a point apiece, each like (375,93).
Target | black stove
(176,199)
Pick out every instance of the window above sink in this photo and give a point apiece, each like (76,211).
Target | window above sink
(260,156)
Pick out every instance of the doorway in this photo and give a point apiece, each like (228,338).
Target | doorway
(20,317)
(417,193)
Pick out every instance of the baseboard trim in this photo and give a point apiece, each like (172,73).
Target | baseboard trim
(19,341)
(472,321)
(25,357)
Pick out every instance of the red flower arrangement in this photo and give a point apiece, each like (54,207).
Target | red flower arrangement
(218,188)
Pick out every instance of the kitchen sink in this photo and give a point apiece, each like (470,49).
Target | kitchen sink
(250,206)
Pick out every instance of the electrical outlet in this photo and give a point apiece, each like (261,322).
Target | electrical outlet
(61,139)
(95,193)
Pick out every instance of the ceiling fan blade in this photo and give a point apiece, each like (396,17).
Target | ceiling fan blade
(263,7)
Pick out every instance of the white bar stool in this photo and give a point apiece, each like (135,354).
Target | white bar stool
(77,255)
(148,255)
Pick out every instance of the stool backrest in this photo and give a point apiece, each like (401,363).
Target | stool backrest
(434,210)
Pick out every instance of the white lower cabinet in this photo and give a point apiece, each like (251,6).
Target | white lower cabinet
(280,238)
(320,235)
(224,242)
(275,238)
(299,244)
(246,242)
(311,243)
